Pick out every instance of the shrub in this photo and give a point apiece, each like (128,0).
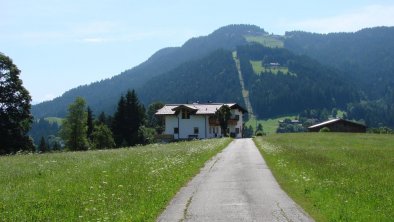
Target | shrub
(324,130)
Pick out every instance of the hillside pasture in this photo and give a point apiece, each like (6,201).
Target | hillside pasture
(57,120)
(335,176)
(129,184)
(259,68)
(265,40)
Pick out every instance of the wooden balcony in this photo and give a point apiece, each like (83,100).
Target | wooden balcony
(232,121)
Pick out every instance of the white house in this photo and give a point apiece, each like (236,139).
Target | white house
(185,121)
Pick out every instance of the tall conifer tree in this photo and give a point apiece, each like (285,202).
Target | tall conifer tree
(89,124)
(129,117)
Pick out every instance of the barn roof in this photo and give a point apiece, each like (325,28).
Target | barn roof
(333,121)
(200,109)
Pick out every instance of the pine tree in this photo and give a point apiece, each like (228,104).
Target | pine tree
(134,118)
(74,128)
(43,146)
(129,117)
(89,124)
(119,122)
(15,118)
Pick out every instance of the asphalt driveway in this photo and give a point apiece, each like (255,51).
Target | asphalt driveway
(236,185)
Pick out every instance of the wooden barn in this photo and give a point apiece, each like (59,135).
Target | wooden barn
(339,125)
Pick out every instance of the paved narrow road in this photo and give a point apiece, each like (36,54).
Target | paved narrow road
(236,185)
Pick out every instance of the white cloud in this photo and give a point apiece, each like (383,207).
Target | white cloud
(369,16)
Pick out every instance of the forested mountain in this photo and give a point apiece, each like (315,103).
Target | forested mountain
(102,95)
(289,84)
(213,78)
(367,55)
(350,71)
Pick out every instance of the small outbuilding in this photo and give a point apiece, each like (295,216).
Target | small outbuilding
(339,125)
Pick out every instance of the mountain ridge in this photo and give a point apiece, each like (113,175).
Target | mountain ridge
(161,61)
(353,56)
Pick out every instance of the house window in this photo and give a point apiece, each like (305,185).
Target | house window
(176,130)
(210,129)
(195,130)
(236,130)
(185,114)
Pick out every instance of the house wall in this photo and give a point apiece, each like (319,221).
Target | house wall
(171,122)
(186,126)
(239,123)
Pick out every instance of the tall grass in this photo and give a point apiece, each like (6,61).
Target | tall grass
(335,177)
(131,184)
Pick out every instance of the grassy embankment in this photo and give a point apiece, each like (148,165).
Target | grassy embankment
(333,176)
(131,184)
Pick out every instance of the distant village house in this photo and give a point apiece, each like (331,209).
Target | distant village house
(339,125)
(186,121)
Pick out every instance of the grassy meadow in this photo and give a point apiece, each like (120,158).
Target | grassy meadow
(57,120)
(259,68)
(266,41)
(334,176)
(269,125)
(129,184)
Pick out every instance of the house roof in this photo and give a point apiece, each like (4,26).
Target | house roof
(333,121)
(200,109)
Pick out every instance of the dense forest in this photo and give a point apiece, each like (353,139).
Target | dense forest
(213,78)
(306,85)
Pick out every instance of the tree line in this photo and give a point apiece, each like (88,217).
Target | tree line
(129,126)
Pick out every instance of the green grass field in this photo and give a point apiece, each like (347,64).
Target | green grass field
(267,41)
(334,176)
(57,120)
(131,184)
(269,125)
(258,69)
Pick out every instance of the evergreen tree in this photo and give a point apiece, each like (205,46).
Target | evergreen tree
(223,114)
(102,118)
(43,145)
(260,127)
(74,128)
(119,122)
(89,124)
(15,118)
(129,116)
(134,118)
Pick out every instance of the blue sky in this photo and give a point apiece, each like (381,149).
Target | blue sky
(61,44)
